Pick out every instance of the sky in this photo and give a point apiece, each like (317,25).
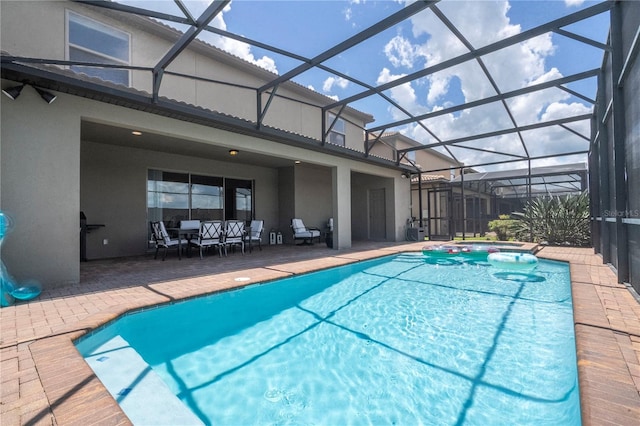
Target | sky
(309,27)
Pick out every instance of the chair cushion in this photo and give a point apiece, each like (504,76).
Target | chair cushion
(255,228)
(305,234)
(189,224)
(164,234)
(175,242)
(206,243)
(298,226)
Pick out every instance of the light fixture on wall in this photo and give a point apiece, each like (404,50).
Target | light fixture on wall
(233,152)
(13,92)
(47,96)
(405,175)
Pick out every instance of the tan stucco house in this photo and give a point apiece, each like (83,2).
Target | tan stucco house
(131,142)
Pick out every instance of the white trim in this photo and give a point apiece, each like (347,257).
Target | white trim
(340,121)
(68,16)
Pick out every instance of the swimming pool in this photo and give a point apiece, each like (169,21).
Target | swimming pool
(400,340)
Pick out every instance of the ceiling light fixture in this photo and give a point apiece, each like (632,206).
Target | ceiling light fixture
(136,133)
(233,152)
(297,162)
(13,92)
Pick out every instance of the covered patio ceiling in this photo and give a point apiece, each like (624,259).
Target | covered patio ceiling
(512,138)
(111,134)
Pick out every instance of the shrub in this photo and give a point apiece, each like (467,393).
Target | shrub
(556,220)
(503,227)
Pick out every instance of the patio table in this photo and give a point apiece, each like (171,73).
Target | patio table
(186,233)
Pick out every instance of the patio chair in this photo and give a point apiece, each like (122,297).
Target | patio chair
(234,235)
(301,232)
(255,234)
(189,224)
(210,235)
(163,240)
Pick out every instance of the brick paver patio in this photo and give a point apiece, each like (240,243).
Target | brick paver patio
(43,379)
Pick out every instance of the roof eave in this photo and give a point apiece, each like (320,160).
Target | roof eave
(142,101)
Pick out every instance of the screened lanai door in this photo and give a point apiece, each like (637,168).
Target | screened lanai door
(440,214)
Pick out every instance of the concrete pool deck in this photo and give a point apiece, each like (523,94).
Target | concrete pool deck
(44,380)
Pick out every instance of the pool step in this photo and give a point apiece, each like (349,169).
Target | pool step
(141,393)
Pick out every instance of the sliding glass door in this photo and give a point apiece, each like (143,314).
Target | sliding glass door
(167,197)
(238,199)
(172,197)
(207,202)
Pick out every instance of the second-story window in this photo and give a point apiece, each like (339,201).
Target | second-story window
(338,132)
(92,41)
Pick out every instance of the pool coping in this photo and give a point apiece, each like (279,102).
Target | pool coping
(605,320)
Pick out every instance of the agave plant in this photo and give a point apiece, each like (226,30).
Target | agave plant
(556,220)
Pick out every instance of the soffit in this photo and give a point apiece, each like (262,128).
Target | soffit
(114,135)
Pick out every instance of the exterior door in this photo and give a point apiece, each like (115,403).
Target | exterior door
(440,214)
(377,215)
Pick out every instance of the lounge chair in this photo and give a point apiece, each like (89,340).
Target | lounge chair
(301,232)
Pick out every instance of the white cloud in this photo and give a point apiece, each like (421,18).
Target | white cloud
(237,48)
(330,82)
(403,94)
(348,13)
(400,52)
(570,3)
(511,68)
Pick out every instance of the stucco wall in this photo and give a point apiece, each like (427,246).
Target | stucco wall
(396,196)
(427,159)
(48,175)
(149,46)
(113,192)
(40,187)
(313,194)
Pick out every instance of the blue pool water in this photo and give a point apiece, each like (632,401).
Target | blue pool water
(405,340)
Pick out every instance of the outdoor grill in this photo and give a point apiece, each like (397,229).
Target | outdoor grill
(84,230)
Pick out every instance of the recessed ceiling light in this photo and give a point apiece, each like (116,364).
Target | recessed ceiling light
(233,152)
(136,133)
(297,162)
